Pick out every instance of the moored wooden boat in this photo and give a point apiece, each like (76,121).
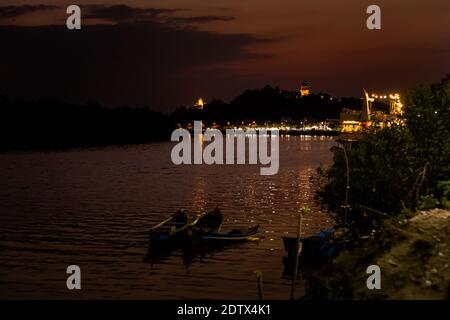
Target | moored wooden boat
(316,250)
(317,239)
(197,239)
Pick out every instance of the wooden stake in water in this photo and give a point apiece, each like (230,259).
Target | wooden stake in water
(260,285)
(303,210)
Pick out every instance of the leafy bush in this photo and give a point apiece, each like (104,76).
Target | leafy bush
(380,175)
(444,190)
(427,117)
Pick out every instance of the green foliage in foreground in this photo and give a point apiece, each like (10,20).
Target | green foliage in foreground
(395,169)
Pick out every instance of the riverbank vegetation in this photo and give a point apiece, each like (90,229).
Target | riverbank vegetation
(51,124)
(374,191)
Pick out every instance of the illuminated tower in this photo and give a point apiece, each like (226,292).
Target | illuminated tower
(304,89)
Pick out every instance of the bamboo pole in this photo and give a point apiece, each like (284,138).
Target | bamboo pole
(161,223)
(347,187)
(297,252)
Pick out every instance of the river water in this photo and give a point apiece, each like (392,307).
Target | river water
(93,207)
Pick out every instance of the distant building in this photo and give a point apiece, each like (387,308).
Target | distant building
(304,90)
(353,121)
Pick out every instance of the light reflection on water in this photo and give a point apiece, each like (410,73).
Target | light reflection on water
(93,208)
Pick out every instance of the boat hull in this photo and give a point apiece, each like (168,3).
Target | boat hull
(251,234)
(315,250)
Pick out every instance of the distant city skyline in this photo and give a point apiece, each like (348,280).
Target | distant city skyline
(165,53)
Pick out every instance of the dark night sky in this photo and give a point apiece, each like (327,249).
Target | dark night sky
(164,53)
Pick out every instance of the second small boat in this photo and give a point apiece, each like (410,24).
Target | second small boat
(250,234)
